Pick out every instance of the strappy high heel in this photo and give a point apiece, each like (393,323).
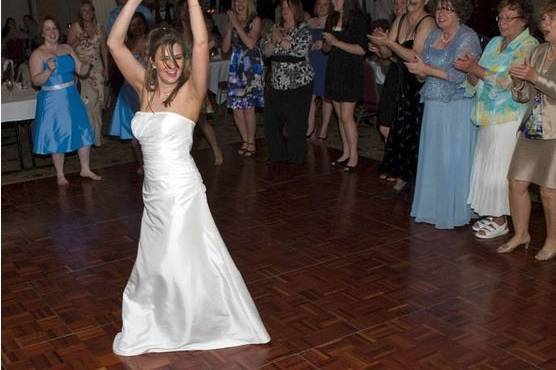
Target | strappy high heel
(243,148)
(248,153)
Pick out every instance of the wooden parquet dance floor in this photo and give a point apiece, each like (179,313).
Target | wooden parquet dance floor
(341,275)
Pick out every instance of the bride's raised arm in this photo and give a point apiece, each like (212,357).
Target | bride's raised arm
(200,51)
(132,70)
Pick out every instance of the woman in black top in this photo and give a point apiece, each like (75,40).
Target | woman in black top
(405,41)
(345,38)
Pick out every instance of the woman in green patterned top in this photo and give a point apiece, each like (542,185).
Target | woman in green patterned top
(497,115)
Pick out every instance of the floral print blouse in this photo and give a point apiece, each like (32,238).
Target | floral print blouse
(494,103)
(290,67)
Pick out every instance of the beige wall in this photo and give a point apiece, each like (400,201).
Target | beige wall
(102,9)
(15,9)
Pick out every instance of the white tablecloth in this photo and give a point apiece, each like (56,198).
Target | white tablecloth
(218,71)
(18,105)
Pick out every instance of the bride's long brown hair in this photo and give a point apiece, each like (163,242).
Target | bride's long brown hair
(165,38)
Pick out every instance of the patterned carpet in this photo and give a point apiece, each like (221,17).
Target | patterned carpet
(114,152)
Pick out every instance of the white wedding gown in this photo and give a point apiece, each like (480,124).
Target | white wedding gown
(185,292)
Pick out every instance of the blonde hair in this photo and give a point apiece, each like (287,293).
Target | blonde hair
(251,10)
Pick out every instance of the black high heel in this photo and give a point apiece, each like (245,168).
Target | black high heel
(308,136)
(350,169)
(339,163)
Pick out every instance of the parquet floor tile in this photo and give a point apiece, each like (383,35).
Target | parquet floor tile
(341,275)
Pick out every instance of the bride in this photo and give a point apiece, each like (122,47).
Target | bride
(184,292)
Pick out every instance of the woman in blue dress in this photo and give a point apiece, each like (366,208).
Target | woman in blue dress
(245,81)
(127,102)
(318,60)
(61,121)
(447,135)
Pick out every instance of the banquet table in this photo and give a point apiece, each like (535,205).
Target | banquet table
(218,72)
(18,110)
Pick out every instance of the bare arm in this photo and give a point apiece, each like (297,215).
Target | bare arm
(200,51)
(379,39)
(250,39)
(73,35)
(423,32)
(227,39)
(39,74)
(132,70)
(104,51)
(81,69)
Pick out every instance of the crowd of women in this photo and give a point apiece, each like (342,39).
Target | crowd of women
(471,128)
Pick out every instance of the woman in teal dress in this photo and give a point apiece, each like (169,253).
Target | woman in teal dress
(61,121)
(447,135)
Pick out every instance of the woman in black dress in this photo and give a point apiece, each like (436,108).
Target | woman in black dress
(345,38)
(405,41)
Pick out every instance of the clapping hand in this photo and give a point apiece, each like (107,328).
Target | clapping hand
(417,67)
(329,38)
(378,37)
(233,19)
(524,72)
(277,34)
(466,63)
(51,64)
(372,47)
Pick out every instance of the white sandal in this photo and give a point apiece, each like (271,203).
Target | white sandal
(478,225)
(493,230)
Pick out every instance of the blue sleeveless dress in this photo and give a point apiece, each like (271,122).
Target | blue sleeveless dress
(127,104)
(61,120)
(318,60)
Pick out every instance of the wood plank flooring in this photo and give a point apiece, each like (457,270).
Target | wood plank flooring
(341,275)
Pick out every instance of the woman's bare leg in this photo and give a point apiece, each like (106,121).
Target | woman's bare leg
(345,146)
(351,132)
(84,159)
(58,160)
(326,115)
(520,207)
(251,125)
(210,135)
(548,251)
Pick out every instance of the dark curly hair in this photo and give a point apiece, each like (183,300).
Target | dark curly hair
(463,8)
(523,7)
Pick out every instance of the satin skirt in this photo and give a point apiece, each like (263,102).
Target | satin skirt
(61,122)
(127,104)
(184,292)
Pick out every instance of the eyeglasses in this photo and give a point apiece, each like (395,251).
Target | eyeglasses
(548,18)
(444,9)
(507,19)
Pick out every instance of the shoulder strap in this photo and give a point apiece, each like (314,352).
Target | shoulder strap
(419,23)
(399,27)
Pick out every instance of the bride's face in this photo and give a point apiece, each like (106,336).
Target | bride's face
(169,63)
